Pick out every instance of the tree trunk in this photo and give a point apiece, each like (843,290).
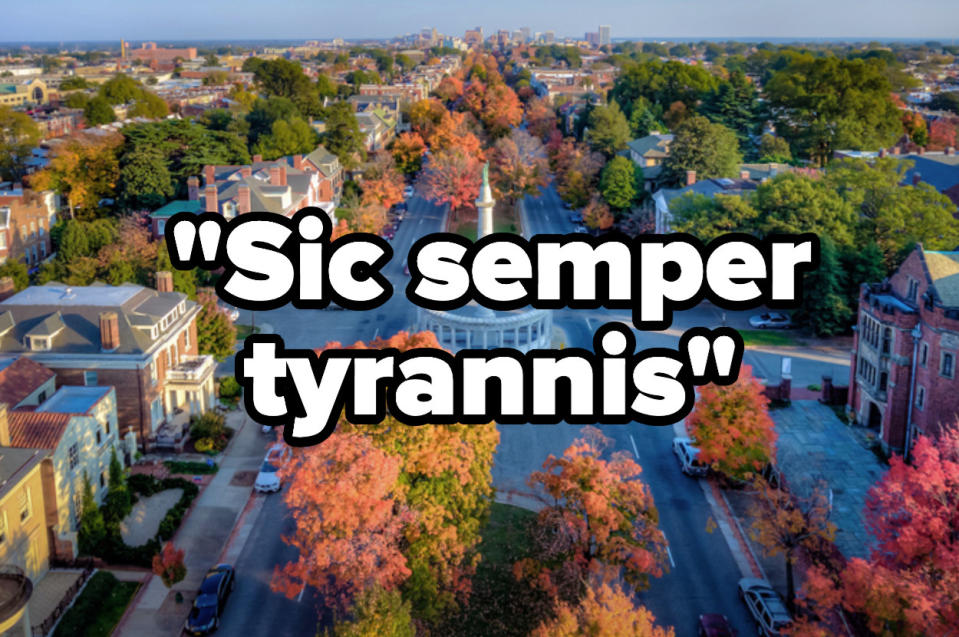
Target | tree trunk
(790,585)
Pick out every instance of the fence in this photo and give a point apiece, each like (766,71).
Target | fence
(44,627)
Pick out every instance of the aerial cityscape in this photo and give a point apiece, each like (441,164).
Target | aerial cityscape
(143,492)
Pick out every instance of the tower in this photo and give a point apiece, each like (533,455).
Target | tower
(484,207)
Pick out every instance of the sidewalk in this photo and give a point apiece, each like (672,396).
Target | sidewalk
(203,535)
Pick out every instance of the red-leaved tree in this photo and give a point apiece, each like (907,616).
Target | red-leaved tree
(453,178)
(168,564)
(605,611)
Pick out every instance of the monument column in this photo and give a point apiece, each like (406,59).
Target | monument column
(484,207)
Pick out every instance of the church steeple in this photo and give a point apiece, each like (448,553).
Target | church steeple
(484,206)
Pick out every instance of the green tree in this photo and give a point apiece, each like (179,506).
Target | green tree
(342,136)
(215,333)
(791,203)
(91,530)
(183,280)
(824,306)
(734,104)
(774,149)
(608,130)
(76,100)
(120,89)
(98,111)
(18,136)
(74,238)
(117,501)
(645,118)
(145,182)
(148,105)
(662,83)
(617,183)
(711,150)
(708,218)
(286,137)
(17,271)
(377,612)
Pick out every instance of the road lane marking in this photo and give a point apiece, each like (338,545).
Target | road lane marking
(668,552)
(299,598)
(635,450)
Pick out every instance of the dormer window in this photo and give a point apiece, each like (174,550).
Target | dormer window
(39,343)
(182,307)
(154,332)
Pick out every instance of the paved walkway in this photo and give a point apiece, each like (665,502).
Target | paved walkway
(814,445)
(143,521)
(49,591)
(203,535)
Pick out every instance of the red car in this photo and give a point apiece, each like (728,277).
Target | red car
(713,625)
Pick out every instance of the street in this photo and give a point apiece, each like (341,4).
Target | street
(702,571)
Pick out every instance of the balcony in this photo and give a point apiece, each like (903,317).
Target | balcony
(15,591)
(191,369)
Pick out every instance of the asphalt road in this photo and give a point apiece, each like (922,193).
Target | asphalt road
(702,574)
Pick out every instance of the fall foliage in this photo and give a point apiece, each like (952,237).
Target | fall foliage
(84,169)
(596,215)
(601,522)
(605,611)
(408,150)
(168,564)
(382,183)
(518,166)
(454,178)
(732,428)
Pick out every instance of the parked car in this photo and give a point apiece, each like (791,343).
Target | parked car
(687,453)
(267,481)
(765,605)
(714,625)
(208,606)
(576,217)
(408,192)
(267,429)
(772,320)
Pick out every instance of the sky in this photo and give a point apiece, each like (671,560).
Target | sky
(71,20)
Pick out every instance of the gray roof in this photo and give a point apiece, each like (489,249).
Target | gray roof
(654,145)
(73,315)
(939,171)
(15,464)
(711,187)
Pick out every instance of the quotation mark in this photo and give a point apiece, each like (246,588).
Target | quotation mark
(182,233)
(720,347)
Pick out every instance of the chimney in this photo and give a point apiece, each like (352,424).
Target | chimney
(277,175)
(950,150)
(212,205)
(298,162)
(920,151)
(916,178)
(883,152)
(282,174)
(690,177)
(164,281)
(109,331)
(744,174)
(7,288)
(193,188)
(243,199)
(208,175)
(257,159)
(246,171)
(4,426)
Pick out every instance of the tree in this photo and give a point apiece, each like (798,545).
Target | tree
(605,611)
(117,501)
(148,105)
(945,101)
(708,218)
(774,149)
(519,166)
(792,203)
(618,183)
(16,271)
(645,118)
(711,150)
(84,170)
(601,520)
(345,500)
(453,132)
(98,111)
(449,89)
(342,136)
(785,524)
(18,136)
(540,118)
(914,125)
(822,104)
(145,182)
(183,280)
(408,150)
(495,105)
(215,333)
(662,83)
(133,257)
(942,133)
(608,130)
(596,215)
(120,89)
(382,183)
(377,612)
(91,530)
(734,104)
(425,115)
(168,564)
(286,137)
(453,178)
(732,428)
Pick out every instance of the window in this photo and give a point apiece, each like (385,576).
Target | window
(186,339)
(156,411)
(77,508)
(3,239)
(161,226)
(883,381)
(103,479)
(26,504)
(924,354)
(947,363)
(42,396)
(39,343)
(43,250)
(152,366)
(169,358)
(106,426)
(33,228)
(920,397)
(74,456)
(886,340)
(89,378)
(99,436)
(913,291)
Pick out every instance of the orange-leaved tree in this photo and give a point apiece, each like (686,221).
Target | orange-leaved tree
(601,521)
(785,523)
(605,611)
(518,166)
(408,150)
(453,178)
(346,502)
(732,427)
(168,564)
(382,183)
(596,215)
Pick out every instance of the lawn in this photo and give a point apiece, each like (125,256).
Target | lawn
(99,607)
(505,219)
(499,604)
(775,338)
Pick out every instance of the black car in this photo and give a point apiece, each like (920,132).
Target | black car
(208,606)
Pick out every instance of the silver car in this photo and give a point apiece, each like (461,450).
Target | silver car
(766,606)
(771,320)
(686,453)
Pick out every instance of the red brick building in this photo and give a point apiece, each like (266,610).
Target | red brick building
(25,221)
(903,369)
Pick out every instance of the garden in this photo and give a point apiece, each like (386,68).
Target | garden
(98,608)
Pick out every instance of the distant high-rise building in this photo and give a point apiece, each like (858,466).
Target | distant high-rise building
(604,35)
(593,38)
(549,37)
(474,37)
(525,32)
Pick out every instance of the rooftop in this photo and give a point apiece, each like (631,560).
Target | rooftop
(20,377)
(15,464)
(74,399)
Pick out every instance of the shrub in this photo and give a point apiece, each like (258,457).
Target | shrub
(230,388)
(191,468)
(203,445)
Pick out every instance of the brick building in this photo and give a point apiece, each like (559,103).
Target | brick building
(25,221)
(143,342)
(903,364)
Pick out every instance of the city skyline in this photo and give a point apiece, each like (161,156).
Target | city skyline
(372,19)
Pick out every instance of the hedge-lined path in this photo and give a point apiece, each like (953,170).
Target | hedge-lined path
(143,521)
